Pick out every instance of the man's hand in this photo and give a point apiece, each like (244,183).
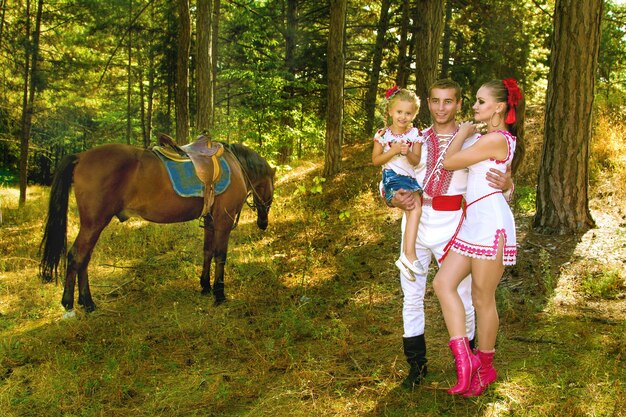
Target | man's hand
(500,181)
(404,200)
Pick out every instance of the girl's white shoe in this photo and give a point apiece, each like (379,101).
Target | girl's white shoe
(406,272)
(415,266)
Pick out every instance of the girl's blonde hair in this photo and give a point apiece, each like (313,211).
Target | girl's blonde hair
(402,94)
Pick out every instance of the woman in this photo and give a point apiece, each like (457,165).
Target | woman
(485,241)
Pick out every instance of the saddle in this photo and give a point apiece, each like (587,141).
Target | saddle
(205,158)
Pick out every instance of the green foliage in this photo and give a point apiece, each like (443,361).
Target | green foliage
(604,284)
(612,56)
(525,199)
(316,188)
(268,95)
(500,39)
(7,177)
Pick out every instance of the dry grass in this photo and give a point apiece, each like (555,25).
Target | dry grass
(313,322)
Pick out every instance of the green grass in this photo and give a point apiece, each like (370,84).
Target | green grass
(313,322)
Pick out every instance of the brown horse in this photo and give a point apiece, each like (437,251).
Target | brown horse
(122,180)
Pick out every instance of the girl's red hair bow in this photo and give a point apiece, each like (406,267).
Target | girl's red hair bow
(391,92)
(514,96)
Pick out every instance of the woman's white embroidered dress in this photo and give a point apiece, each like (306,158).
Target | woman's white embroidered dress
(489,217)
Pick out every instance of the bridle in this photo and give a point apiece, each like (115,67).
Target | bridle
(257,201)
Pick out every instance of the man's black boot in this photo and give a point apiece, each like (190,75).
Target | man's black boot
(415,352)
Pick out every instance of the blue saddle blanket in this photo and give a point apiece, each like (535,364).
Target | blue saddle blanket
(185,181)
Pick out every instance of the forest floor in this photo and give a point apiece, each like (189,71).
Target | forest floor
(312,326)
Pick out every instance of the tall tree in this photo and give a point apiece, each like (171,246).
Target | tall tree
(30,84)
(290,32)
(428,20)
(182,72)
(334,121)
(377,58)
(404,61)
(204,116)
(215,27)
(562,199)
(445,44)
(129,83)
(3,6)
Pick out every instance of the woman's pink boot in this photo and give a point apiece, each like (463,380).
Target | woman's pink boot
(466,364)
(485,375)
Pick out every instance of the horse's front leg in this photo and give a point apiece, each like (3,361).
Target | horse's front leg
(205,278)
(221,250)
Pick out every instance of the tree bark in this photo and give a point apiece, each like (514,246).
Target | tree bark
(404,68)
(562,188)
(291,27)
(3,6)
(205,67)
(29,95)
(215,27)
(445,46)
(377,58)
(129,69)
(428,18)
(182,72)
(334,122)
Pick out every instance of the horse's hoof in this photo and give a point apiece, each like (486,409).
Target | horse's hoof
(219,301)
(70,314)
(206,291)
(90,308)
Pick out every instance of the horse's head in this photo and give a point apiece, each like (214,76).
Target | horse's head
(263,195)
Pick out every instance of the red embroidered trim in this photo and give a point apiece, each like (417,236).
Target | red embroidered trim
(473,250)
(439,180)
(509,137)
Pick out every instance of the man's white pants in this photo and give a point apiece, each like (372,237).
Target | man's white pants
(435,230)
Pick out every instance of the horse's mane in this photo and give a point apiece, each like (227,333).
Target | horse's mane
(251,161)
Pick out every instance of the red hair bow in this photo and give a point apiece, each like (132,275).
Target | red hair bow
(514,96)
(391,92)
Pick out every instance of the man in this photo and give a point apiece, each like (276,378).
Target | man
(441,213)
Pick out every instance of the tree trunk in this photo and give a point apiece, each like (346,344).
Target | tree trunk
(291,27)
(3,6)
(215,23)
(562,189)
(334,122)
(205,67)
(445,46)
(428,20)
(29,95)
(402,77)
(130,74)
(377,57)
(182,72)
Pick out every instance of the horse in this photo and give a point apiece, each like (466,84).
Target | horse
(117,180)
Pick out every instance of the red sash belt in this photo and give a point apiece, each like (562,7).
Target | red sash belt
(444,202)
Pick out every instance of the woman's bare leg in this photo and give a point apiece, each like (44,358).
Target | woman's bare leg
(486,275)
(452,271)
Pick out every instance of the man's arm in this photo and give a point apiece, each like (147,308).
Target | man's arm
(501,181)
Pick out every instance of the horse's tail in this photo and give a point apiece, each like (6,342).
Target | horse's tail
(54,242)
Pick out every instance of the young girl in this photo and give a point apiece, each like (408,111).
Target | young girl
(486,240)
(398,148)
